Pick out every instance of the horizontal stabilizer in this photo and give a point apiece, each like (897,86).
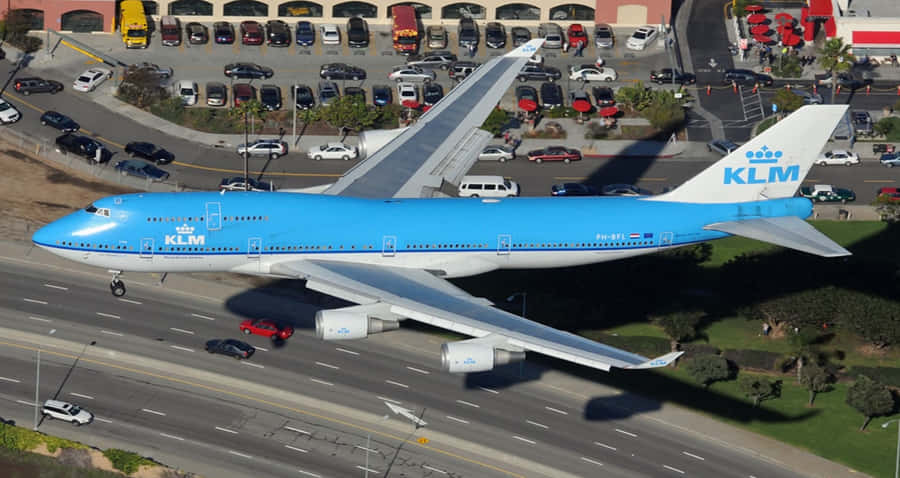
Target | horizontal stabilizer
(787,231)
(661,361)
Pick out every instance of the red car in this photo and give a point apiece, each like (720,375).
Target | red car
(554,153)
(243,92)
(251,33)
(577,34)
(266,328)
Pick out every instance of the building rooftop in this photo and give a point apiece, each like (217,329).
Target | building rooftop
(873,8)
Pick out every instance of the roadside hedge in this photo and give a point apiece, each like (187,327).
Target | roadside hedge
(126,461)
(755,359)
(889,376)
(692,350)
(23,439)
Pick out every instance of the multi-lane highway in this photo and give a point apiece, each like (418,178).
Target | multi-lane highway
(309,404)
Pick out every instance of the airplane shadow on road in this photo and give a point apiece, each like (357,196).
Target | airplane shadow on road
(632,165)
(286,301)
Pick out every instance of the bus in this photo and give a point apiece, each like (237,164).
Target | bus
(133,24)
(405,29)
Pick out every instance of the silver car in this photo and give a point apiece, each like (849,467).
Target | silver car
(552,35)
(496,152)
(603,36)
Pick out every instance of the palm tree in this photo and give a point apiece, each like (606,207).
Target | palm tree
(246,110)
(836,58)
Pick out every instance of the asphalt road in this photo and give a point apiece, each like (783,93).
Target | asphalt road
(555,426)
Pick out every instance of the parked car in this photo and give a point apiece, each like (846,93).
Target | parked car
(539,73)
(552,35)
(623,190)
(603,96)
(216,94)
(524,92)
(467,32)
(579,95)
(8,113)
(306,34)
(278,33)
(237,184)
(551,95)
(188,91)
(162,73)
(494,35)
(665,76)
(407,92)
(573,189)
(497,152)
(169,31)
(827,193)
(273,148)
(333,151)
(341,71)
(251,33)
(91,79)
(67,412)
(82,146)
(266,328)
(149,151)
(30,85)
(862,123)
(404,73)
(890,159)
(59,121)
(197,33)
(576,35)
(838,157)
(721,146)
(248,70)
(641,38)
(587,73)
(270,97)
(328,92)
(223,33)
(436,36)
(432,93)
(330,34)
(519,35)
(382,95)
(432,60)
(243,92)
(604,36)
(303,96)
(355,91)
(230,347)
(746,77)
(554,153)
(461,69)
(357,33)
(140,169)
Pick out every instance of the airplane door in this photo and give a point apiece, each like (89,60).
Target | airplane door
(504,244)
(665,239)
(389,246)
(146,248)
(213,216)
(254,245)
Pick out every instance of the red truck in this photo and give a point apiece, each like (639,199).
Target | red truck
(405,30)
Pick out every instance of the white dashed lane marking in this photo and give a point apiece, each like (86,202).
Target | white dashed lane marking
(178,347)
(327,365)
(88,397)
(107,332)
(226,430)
(398,402)
(530,442)
(39,319)
(129,301)
(35,301)
(102,419)
(369,470)
(694,456)
(468,404)
(460,420)
(251,364)
(398,384)
(23,402)
(147,410)
(314,475)
(489,390)
(632,435)
(301,450)
(593,462)
(202,317)
(676,470)
(554,410)
(418,370)
(346,351)
(108,316)
(604,445)
(436,470)
(59,287)
(539,425)
(183,331)
(171,436)
(304,432)
(242,455)
(7,379)
(321,382)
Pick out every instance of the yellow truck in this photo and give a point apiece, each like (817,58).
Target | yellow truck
(134,29)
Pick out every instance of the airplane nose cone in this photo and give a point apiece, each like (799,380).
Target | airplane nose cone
(44,236)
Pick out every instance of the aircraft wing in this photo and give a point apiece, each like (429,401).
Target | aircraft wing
(444,142)
(424,297)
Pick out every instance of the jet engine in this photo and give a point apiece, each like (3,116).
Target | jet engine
(371,141)
(475,356)
(350,323)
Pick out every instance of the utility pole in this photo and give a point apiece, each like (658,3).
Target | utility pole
(246,152)
(294,122)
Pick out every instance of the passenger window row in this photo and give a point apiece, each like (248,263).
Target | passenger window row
(119,247)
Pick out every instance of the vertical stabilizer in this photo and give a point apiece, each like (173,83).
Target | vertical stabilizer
(771,165)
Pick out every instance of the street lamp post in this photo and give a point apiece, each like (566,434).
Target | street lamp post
(37,385)
(246,153)
(897,463)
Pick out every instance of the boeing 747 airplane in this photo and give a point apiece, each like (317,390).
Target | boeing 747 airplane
(371,238)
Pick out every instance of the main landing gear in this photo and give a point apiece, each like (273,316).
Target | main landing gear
(116,286)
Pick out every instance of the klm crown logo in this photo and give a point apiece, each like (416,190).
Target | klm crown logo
(762,175)
(185,229)
(185,237)
(528,49)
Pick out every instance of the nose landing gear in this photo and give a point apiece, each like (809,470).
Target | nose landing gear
(116,286)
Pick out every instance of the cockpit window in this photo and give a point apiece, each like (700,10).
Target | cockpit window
(90,208)
(100,211)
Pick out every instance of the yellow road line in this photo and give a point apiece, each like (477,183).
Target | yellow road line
(265,402)
(268,173)
(725,8)
(653,179)
(878,181)
(571,178)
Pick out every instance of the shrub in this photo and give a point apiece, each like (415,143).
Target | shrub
(766,124)
(756,359)
(787,67)
(786,100)
(596,131)
(889,127)
(170,109)
(563,112)
(18,438)
(707,369)
(693,350)
(889,376)
(126,461)
(496,121)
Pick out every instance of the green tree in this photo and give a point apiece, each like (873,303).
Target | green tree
(142,88)
(803,347)
(635,98)
(835,57)
(739,7)
(759,388)
(16,27)
(707,369)
(816,379)
(247,110)
(870,398)
(680,326)
(664,112)
(496,121)
(786,100)
(350,112)
(874,318)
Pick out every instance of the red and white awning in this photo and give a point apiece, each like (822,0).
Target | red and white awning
(870,39)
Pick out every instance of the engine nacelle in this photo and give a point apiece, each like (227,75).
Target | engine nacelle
(344,324)
(371,141)
(466,356)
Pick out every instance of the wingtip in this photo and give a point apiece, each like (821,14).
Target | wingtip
(528,49)
(660,361)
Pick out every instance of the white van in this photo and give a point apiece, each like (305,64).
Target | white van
(487,186)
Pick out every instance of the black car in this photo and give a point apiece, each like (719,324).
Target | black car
(197,33)
(82,146)
(519,35)
(223,32)
(573,189)
(306,34)
(526,93)
(746,77)
(665,76)
(539,73)
(230,347)
(467,31)
(59,121)
(27,86)
(357,33)
(278,33)
(341,71)
(151,69)
(140,169)
(247,70)
(382,95)
(149,151)
(303,96)
(494,35)
(270,97)
(551,95)
(432,93)
(603,96)
(355,91)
